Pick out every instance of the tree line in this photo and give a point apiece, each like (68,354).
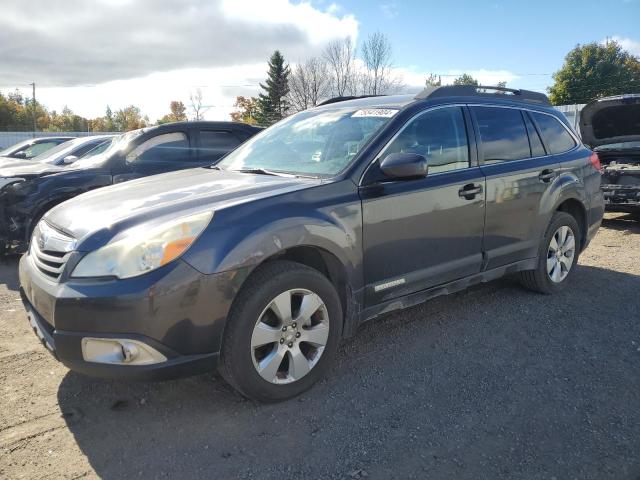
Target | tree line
(17,114)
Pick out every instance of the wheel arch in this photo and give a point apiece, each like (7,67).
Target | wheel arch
(577,210)
(331,267)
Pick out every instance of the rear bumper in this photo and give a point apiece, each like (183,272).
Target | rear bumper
(175,310)
(621,198)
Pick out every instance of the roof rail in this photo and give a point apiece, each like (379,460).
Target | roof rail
(483,91)
(344,99)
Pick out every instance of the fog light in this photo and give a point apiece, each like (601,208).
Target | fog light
(119,351)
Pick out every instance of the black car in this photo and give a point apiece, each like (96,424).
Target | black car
(33,147)
(29,189)
(611,126)
(263,262)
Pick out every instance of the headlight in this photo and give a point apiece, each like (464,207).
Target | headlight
(141,251)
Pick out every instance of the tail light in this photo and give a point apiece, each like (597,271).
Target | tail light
(595,161)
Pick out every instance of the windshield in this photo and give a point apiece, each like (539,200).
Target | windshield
(118,143)
(100,148)
(315,143)
(13,148)
(58,151)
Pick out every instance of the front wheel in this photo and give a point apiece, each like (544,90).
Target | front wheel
(282,332)
(557,256)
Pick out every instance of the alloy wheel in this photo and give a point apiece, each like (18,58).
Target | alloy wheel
(561,254)
(290,335)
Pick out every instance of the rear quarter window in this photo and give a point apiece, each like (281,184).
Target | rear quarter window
(554,135)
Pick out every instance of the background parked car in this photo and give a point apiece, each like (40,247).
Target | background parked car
(30,189)
(63,154)
(28,149)
(611,126)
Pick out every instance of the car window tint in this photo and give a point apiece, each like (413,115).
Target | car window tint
(80,151)
(555,136)
(502,133)
(439,135)
(537,149)
(100,148)
(216,143)
(168,147)
(38,148)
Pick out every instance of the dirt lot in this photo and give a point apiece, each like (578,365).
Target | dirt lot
(492,383)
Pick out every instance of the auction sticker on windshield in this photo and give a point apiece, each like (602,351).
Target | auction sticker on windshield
(375,112)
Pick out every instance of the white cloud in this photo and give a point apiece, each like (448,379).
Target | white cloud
(152,93)
(90,54)
(630,45)
(77,42)
(318,25)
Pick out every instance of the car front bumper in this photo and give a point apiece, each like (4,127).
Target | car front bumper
(175,310)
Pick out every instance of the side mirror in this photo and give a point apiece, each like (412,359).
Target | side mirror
(69,159)
(21,154)
(131,157)
(404,166)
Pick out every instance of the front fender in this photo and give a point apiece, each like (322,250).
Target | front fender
(327,217)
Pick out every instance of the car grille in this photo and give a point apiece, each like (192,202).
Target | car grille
(50,249)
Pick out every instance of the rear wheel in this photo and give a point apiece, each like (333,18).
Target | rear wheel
(282,332)
(557,256)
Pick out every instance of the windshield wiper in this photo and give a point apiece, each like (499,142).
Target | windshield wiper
(264,171)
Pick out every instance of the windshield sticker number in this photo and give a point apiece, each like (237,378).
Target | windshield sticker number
(375,112)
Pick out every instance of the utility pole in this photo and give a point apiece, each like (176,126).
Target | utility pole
(35,125)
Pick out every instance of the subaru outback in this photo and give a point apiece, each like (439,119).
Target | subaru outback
(260,264)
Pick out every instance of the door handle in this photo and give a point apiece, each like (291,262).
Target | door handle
(547,175)
(469,191)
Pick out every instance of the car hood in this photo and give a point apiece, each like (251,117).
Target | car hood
(26,169)
(104,212)
(611,120)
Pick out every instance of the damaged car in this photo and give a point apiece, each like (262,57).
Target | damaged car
(611,126)
(29,189)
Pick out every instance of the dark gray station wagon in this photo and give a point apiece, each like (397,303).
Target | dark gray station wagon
(260,264)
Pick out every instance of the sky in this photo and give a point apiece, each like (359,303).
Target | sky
(87,54)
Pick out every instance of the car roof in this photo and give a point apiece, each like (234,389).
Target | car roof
(379,101)
(445,94)
(44,139)
(202,124)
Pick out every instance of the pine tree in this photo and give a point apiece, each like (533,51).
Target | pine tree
(273,105)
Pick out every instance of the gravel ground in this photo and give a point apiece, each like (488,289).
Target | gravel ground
(494,382)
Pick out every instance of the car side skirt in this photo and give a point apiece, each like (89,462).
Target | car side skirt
(445,289)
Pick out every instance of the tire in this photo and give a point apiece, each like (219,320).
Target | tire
(540,279)
(255,311)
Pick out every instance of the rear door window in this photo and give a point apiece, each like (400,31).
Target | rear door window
(502,133)
(216,143)
(164,148)
(554,134)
